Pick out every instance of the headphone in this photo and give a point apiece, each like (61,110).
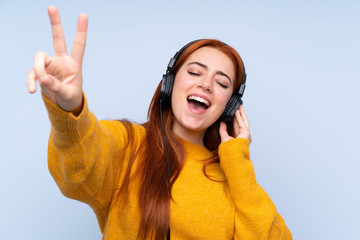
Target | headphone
(168,78)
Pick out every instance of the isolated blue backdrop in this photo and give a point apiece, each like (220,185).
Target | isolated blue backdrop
(302,97)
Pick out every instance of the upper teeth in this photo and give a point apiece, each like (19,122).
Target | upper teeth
(199,99)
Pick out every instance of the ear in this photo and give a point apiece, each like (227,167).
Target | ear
(167,84)
(231,107)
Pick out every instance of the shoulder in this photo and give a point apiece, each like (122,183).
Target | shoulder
(124,128)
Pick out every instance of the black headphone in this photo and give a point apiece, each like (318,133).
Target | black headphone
(168,78)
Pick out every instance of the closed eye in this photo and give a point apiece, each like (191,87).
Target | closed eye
(222,85)
(194,74)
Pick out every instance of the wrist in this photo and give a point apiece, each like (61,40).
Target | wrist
(75,107)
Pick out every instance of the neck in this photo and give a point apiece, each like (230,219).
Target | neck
(191,136)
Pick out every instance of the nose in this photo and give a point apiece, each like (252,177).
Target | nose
(205,83)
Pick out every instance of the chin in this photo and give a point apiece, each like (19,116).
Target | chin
(195,125)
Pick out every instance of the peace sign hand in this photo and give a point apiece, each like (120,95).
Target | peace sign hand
(241,127)
(60,77)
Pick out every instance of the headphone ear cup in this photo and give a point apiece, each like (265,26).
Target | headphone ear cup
(231,107)
(167,83)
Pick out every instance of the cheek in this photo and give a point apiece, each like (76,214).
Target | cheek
(224,99)
(177,94)
(181,84)
(176,90)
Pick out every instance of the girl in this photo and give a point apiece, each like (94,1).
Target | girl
(185,169)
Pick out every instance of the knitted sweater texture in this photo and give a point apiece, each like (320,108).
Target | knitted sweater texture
(88,158)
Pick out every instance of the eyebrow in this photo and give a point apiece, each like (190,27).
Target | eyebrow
(206,67)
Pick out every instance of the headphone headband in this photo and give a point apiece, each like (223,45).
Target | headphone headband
(177,55)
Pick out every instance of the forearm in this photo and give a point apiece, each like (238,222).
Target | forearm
(71,139)
(83,154)
(256,215)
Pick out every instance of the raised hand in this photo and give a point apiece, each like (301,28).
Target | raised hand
(60,77)
(241,127)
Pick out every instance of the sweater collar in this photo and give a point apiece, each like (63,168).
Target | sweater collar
(195,151)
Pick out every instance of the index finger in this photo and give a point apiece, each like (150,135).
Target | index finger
(57,31)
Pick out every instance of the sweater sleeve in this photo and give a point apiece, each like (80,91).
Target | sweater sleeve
(86,156)
(255,214)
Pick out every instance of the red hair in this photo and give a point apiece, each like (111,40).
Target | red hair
(154,197)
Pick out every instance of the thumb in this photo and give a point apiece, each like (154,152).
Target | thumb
(223,132)
(50,83)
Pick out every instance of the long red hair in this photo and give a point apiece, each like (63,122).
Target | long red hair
(152,172)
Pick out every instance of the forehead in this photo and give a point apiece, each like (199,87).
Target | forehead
(214,59)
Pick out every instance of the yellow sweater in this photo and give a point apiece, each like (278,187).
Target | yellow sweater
(87,159)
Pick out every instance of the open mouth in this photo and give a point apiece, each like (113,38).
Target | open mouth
(198,103)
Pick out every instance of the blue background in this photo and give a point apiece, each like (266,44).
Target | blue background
(302,97)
